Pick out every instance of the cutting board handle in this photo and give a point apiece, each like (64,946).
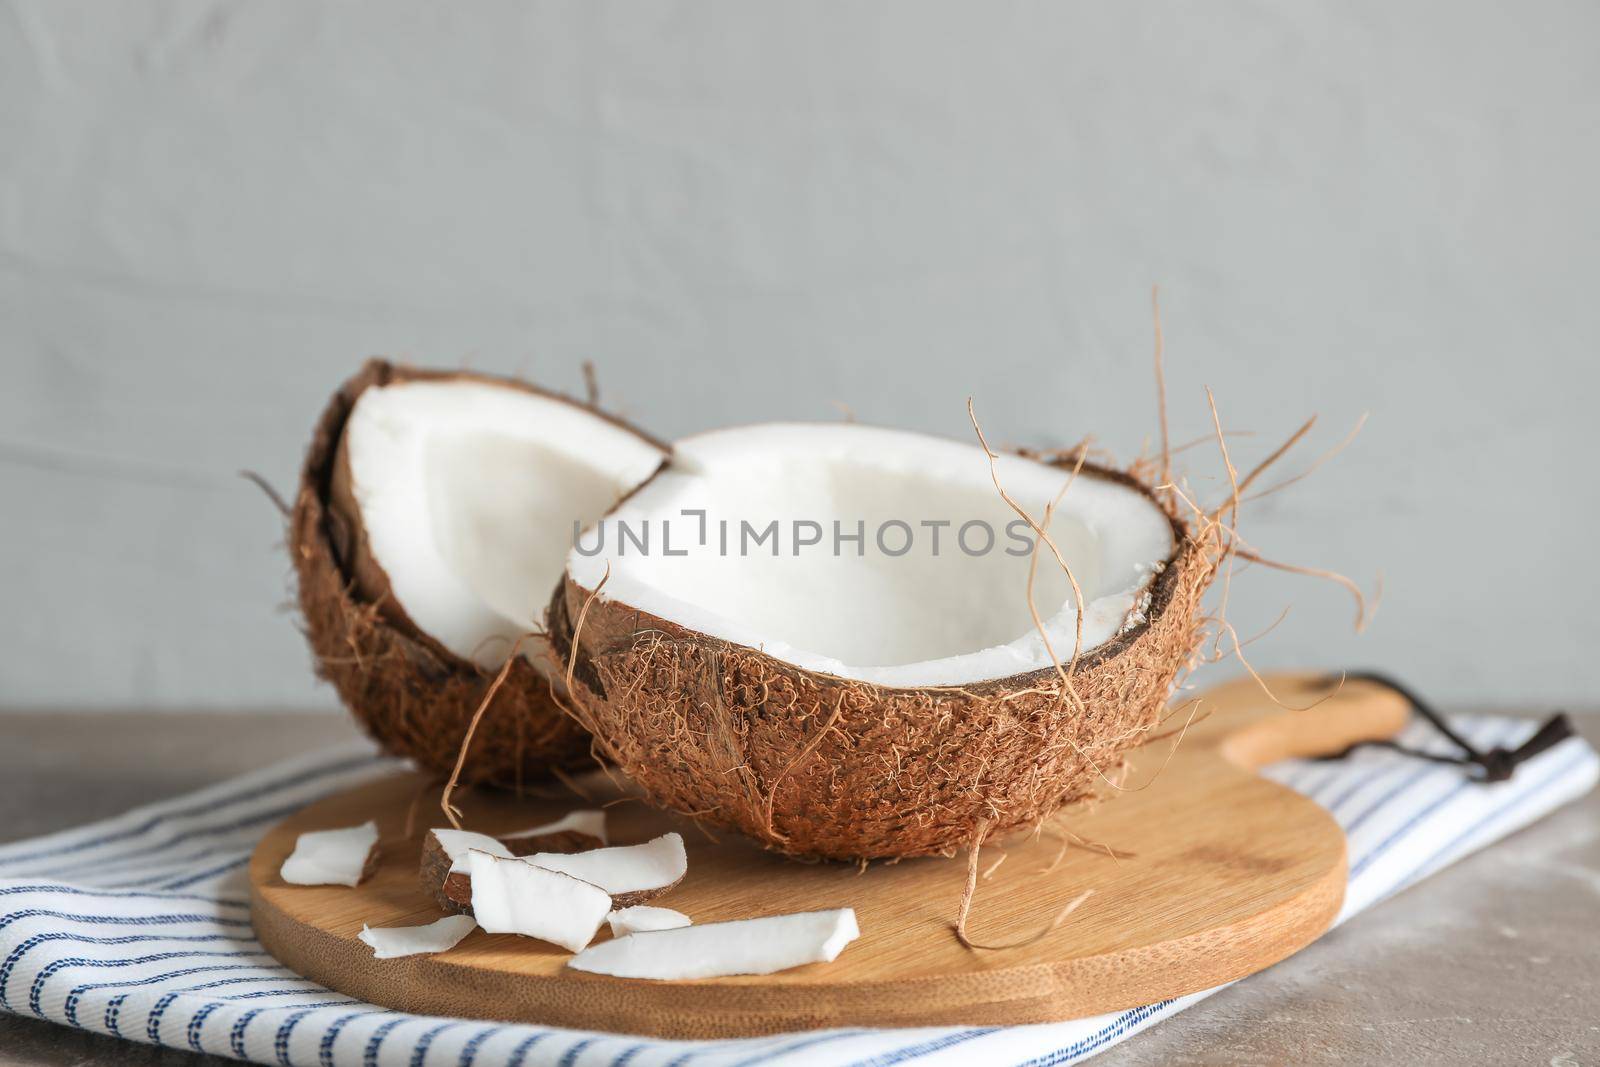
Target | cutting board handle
(1318,716)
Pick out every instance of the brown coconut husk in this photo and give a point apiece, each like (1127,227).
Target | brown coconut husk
(412,695)
(813,765)
(817,766)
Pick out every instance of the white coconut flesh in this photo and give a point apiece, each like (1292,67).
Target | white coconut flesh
(330,857)
(622,869)
(717,950)
(469,492)
(905,612)
(510,896)
(642,918)
(589,822)
(391,942)
(458,843)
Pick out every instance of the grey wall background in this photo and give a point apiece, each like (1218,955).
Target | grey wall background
(210,211)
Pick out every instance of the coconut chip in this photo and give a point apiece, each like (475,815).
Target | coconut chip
(577,831)
(513,896)
(642,918)
(716,950)
(388,942)
(632,874)
(444,872)
(333,857)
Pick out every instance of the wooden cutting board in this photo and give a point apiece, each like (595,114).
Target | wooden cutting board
(1219,874)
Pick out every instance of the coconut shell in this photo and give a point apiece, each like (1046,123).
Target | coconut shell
(412,695)
(451,890)
(641,896)
(814,765)
(567,841)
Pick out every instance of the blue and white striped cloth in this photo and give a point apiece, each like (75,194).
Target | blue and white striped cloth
(139,927)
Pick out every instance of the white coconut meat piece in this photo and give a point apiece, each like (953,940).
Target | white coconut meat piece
(458,843)
(512,896)
(932,614)
(630,873)
(469,492)
(590,823)
(642,918)
(718,950)
(391,942)
(331,857)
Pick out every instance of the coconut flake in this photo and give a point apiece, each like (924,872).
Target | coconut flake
(573,832)
(630,873)
(457,843)
(513,896)
(332,857)
(443,869)
(389,942)
(642,918)
(716,950)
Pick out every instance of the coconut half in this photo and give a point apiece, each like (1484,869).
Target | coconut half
(433,519)
(827,642)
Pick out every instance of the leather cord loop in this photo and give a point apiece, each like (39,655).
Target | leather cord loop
(1496,764)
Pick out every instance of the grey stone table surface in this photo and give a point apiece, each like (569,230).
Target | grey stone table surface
(1495,960)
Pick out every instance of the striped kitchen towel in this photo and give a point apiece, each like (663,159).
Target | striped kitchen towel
(139,927)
